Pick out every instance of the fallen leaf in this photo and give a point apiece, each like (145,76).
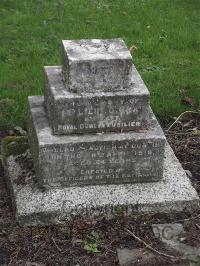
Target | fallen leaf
(133,48)
(196,132)
(29,263)
(188,173)
(189,123)
(188,101)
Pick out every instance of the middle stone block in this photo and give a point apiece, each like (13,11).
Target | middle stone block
(92,159)
(117,111)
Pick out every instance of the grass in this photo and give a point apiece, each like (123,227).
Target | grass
(166,33)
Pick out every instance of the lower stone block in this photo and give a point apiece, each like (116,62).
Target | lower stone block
(34,206)
(110,158)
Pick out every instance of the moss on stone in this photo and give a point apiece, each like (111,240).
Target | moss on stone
(14,145)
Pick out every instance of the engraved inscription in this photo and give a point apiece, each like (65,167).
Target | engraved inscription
(101,114)
(95,211)
(101,124)
(104,162)
(114,107)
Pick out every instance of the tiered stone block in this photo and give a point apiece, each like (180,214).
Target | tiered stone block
(96,65)
(173,193)
(96,93)
(96,145)
(93,159)
(118,111)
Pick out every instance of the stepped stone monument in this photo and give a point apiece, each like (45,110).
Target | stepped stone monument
(96,145)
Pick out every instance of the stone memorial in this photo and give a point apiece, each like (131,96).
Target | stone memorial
(110,96)
(96,145)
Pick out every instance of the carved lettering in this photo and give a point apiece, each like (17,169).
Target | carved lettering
(113,160)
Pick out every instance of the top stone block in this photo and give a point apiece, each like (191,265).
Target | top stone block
(96,65)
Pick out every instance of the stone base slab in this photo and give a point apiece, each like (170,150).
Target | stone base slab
(93,159)
(70,112)
(34,206)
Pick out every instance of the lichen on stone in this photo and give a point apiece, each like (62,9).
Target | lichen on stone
(14,145)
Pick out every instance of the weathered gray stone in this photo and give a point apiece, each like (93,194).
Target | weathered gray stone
(169,234)
(97,112)
(96,65)
(94,158)
(138,256)
(34,206)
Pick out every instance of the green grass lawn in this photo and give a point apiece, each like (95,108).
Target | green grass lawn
(166,33)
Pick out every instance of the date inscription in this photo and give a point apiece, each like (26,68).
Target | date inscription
(112,162)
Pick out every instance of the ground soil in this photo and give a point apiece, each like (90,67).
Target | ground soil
(95,242)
